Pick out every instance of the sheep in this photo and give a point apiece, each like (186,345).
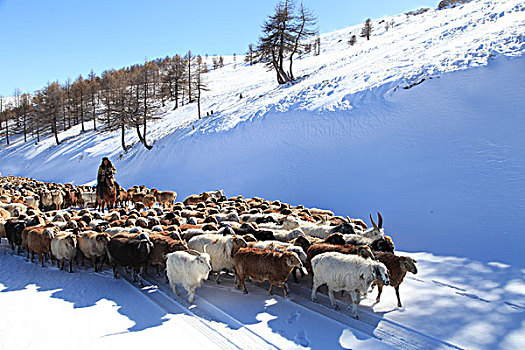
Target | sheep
(335,238)
(93,246)
(89,198)
(57,198)
(46,199)
(259,218)
(64,246)
(189,234)
(13,231)
(287,236)
(187,269)
(14,208)
(198,198)
(31,201)
(289,223)
(323,231)
(164,197)
(233,216)
(303,242)
(397,267)
(220,248)
(263,264)
(115,230)
(149,201)
(39,242)
(126,250)
(346,272)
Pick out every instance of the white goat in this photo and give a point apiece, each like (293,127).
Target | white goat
(188,270)
(346,272)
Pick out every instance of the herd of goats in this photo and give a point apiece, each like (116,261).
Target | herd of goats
(249,238)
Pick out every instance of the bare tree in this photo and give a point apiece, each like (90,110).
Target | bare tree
(248,58)
(283,34)
(93,87)
(189,58)
(305,27)
(200,85)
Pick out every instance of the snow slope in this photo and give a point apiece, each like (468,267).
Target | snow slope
(443,160)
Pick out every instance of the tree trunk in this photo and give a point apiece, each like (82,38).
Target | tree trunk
(37,129)
(123,133)
(82,110)
(94,113)
(64,112)
(176,95)
(55,130)
(25,126)
(7,131)
(199,101)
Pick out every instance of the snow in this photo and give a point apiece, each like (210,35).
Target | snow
(423,123)
(451,303)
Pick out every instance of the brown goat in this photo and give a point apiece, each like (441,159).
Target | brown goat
(163,245)
(263,264)
(397,266)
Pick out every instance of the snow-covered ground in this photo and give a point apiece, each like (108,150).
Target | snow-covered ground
(451,303)
(442,160)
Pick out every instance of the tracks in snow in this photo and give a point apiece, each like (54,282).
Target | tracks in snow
(370,324)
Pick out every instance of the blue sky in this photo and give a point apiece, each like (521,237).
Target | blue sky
(44,41)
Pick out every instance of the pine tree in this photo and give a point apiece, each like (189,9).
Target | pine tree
(367,29)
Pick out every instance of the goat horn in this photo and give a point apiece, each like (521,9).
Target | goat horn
(194,252)
(380,220)
(373,222)
(348,219)
(204,248)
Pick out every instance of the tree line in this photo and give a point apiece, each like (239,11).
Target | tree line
(121,99)
(129,97)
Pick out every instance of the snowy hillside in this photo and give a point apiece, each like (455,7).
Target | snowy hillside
(442,160)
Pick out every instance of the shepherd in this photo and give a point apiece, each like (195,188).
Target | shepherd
(107,188)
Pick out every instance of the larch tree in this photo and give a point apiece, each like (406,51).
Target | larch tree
(200,84)
(304,28)
(283,34)
(189,62)
(93,87)
(367,29)
(248,58)
(51,107)
(79,96)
